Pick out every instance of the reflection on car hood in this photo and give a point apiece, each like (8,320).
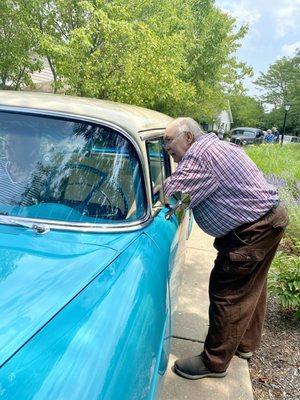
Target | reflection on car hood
(39,275)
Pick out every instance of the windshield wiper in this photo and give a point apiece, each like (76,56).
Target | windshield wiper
(39,228)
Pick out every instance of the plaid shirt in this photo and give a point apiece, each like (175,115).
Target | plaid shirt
(226,188)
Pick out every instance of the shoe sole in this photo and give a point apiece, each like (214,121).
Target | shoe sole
(243,356)
(194,377)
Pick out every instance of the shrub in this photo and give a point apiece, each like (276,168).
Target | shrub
(284,281)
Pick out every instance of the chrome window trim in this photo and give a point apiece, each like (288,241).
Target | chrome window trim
(152,135)
(88,227)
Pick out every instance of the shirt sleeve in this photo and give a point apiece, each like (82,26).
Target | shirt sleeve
(193,176)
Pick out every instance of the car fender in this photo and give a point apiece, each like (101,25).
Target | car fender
(107,342)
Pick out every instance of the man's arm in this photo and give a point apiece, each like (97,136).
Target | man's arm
(193,176)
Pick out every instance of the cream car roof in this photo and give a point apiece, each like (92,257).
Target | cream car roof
(137,121)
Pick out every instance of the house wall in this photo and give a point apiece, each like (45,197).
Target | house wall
(224,119)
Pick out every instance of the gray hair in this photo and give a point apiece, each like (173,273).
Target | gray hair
(186,124)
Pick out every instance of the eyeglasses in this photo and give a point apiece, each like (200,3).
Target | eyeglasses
(168,141)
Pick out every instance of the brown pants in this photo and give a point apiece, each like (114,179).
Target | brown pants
(238,288)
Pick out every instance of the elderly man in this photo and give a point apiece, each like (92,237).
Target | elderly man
(231,201)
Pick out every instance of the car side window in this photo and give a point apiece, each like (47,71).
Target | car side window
(68,170)
(249,134)
(159,164)
(238,132)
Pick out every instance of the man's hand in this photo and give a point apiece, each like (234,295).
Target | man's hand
(157,188)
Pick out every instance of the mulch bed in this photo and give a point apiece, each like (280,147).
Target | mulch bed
(275,367)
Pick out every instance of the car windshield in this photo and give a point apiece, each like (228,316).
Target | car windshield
(68,170)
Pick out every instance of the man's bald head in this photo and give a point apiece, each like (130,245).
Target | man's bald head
(186,124)
(180,134)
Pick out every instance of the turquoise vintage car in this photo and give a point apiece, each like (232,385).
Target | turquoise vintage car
(89,263)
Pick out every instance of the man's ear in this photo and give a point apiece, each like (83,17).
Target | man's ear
(190,138)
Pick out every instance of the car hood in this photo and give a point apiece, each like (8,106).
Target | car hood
(41,274)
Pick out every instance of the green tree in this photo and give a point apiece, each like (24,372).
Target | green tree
(174,56)
(114,50)
(279,84)
(212,65)
(17,47)
(246,111)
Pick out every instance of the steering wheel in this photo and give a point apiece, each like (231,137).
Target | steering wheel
(83,206)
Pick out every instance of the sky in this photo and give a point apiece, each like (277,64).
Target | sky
(274,32)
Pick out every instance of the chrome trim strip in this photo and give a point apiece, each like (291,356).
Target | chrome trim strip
(83,227)
(86,227)
(157,207)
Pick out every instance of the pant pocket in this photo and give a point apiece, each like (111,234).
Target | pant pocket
(243,261)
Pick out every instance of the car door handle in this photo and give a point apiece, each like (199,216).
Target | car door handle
(172,210)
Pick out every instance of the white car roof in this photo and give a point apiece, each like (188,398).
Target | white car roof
(134,120)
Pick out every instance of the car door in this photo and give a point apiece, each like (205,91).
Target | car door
(169,234)
(170,237)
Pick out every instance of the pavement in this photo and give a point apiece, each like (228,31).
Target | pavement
(191,325)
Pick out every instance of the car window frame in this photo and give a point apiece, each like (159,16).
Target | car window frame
(166,163)
(87,226)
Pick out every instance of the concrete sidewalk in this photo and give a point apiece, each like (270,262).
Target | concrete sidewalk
(191,326)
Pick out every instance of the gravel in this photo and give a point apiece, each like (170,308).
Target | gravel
(275,367)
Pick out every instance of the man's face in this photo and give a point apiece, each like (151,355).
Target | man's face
(176,144)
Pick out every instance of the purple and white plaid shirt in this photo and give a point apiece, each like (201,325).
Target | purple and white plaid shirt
(226,187)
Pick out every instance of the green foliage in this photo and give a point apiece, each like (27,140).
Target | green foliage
(275,117)
(284,281)
(279,80)
(212,69)
(174,56)
(291,199)
(281,165)
(246,111)
(18,59)
(282,83)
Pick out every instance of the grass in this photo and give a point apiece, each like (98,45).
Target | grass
(281,167)
(281,161)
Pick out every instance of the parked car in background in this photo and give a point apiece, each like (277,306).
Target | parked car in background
(89,263)
(290,139)
(243,136)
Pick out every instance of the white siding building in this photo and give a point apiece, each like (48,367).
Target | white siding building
(223,120)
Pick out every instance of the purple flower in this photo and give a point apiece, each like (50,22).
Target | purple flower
(276,181)
(288,189)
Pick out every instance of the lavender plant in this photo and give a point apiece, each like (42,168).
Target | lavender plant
(281,167)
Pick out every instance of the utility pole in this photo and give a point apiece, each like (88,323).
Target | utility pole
(287,106)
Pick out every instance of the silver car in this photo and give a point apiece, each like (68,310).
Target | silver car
(243,136)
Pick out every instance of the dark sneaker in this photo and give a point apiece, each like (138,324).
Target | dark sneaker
(194,368)
(243,354)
